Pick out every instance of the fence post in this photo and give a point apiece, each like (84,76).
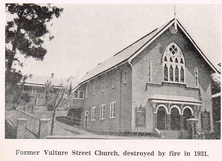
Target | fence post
(43,128)
(21,125)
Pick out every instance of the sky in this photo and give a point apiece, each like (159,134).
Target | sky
(87,34)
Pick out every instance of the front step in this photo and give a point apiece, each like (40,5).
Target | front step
(170,134)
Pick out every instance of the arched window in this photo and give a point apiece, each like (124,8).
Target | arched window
(196,76)
(149,71)
(173,64)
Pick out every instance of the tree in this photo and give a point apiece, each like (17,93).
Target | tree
(25,32)
(55,96)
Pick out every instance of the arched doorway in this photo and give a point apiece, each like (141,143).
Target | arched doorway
(186,115)
(175,119)
(161,118)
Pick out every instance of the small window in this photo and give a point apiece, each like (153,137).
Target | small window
(94,88)
(93,113)
(102,112)
(86,91)
(76,94)
(196,76)
(112,109)
(113,82)
(103,85)
(124,80)
(149,72)
(81,94)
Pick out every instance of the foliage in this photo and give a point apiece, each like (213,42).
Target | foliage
(24,34)
(26,97)
(216,83)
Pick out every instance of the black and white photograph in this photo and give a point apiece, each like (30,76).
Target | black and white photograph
(112,72)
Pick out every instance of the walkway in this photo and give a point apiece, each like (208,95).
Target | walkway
(64,131)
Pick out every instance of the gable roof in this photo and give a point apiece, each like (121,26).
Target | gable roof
(130,52)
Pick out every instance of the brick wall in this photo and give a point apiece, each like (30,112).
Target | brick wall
(154,53)
(121,94)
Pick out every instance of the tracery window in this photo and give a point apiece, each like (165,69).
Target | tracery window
(173,64)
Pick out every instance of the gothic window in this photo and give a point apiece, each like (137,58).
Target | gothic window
(173,64)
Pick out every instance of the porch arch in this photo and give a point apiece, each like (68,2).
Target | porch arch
(175,106)
(162,105)
(188,108)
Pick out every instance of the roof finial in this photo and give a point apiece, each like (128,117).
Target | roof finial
(175,13)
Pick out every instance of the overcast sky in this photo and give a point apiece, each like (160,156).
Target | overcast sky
(87,34)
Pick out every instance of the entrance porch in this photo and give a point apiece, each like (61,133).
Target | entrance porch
(170,114)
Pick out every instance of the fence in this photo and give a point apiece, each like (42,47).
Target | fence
(27,123)
(69,120)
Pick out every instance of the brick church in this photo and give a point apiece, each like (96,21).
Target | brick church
(152,86)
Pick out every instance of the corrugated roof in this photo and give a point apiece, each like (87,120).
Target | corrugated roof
(174,98)
(40,81)
(133,50)
(123,54)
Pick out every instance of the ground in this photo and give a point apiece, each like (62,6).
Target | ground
(62,130)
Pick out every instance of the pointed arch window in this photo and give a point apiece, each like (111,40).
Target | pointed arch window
(173,64)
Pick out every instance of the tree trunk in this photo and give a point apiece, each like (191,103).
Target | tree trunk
(53,118)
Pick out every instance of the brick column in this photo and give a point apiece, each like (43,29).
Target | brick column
(21,128)
(44,130)
(154,120)
(168,126)
(181,122)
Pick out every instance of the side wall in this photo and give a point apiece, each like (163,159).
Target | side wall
(95,96)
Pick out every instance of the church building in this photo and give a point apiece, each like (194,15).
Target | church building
(152,86)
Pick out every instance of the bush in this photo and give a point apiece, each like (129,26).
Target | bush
(26,97)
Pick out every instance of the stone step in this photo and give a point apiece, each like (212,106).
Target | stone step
(170,134)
